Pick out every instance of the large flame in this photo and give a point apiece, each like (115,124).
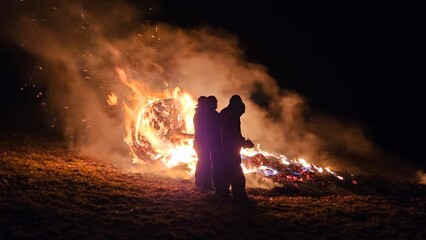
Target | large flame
(158,125)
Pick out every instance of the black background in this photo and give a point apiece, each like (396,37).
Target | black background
(360,60)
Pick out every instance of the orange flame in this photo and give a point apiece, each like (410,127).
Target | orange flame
(159,125)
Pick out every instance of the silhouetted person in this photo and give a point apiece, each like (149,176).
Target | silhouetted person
(213,132)
(203,169)
(231,143)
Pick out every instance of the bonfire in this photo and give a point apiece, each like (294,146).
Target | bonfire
(160,131)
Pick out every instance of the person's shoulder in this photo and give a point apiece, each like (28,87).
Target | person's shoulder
(223,111)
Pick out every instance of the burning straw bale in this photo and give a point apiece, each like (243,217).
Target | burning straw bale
(50,192)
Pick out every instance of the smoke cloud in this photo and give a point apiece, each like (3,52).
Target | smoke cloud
(81,42)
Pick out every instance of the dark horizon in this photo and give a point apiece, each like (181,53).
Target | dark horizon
(358,61)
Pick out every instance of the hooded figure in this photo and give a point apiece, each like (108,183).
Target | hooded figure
(231,143)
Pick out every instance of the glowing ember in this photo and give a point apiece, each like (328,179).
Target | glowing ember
(112,99)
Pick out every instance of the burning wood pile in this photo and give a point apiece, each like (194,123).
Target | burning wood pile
(160,135)
(166,120)
(280,169)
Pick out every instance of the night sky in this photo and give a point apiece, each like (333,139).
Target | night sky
(354,60)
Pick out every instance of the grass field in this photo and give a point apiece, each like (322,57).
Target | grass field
(50,192)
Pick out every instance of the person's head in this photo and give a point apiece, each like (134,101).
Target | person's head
(212,102)
(237,105)
(201,102)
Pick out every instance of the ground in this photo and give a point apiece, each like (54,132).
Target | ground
(48,191)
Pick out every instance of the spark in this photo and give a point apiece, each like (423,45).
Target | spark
(112,99)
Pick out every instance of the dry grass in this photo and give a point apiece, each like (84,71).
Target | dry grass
(49,192)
